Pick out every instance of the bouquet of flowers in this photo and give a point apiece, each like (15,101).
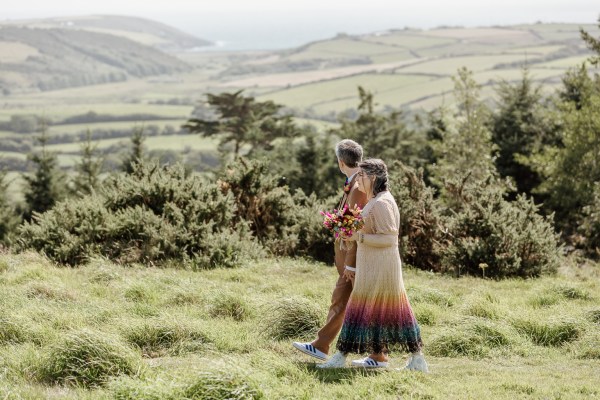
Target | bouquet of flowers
(343,223)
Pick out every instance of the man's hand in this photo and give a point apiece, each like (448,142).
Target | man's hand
(349,275)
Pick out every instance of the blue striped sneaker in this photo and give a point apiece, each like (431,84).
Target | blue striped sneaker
(311,350)
(368,362)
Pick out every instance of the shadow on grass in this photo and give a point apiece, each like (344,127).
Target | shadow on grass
(336,375)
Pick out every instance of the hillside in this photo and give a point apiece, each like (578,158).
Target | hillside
(109,331)
(409,67)
(141,30)
(49,59)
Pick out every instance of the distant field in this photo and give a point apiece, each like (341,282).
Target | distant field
(448,66)
(408,40)
(344,88)
(121,125)
(167,142)
(57,112)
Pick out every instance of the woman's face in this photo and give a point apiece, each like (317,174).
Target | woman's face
(364,182)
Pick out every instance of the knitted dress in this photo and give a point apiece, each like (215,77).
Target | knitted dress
(378,316)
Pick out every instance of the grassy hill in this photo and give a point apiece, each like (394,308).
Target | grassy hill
(55,58)
(141,30)
(109,331)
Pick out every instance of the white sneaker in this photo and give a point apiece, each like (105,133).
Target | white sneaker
(309,349)
(368,362)
(338,360)
(417,362)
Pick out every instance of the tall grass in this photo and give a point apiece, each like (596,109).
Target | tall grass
(149,333)
(294,317)
(88,359)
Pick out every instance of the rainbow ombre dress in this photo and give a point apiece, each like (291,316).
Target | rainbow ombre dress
(379,316)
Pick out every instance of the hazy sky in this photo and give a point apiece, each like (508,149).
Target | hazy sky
(277,23)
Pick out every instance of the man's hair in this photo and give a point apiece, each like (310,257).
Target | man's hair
(349,152)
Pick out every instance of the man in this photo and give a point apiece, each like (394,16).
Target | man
(349,154)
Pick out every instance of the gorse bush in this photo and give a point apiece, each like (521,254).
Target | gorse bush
(153,215)
(492,237)
(157,215)
(421,232)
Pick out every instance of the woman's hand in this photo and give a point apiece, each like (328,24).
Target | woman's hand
(352,238)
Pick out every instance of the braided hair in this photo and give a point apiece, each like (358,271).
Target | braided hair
(376,168)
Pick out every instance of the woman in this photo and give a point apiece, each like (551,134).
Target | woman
(378,314)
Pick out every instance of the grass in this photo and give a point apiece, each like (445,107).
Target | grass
(108,331)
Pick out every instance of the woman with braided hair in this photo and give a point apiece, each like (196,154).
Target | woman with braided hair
(378,316)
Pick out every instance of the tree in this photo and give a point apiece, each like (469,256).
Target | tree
(578,87)
(593,44)
(8,215)
(520,127)
(88,168)
(46,185)
(242,120)
(573,169)
(382,135)
(137,150)
(466,147)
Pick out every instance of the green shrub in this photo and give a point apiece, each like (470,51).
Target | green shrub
(422,240)
(313,240)
(152,216)
(88,359)
(492,237)
(292,318)
(553,333)
(589,226)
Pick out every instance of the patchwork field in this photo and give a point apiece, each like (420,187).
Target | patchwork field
(406,68)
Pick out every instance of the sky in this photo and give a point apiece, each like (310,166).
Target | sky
(271,24)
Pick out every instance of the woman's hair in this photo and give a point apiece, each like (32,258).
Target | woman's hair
(349,152)
(376,168)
